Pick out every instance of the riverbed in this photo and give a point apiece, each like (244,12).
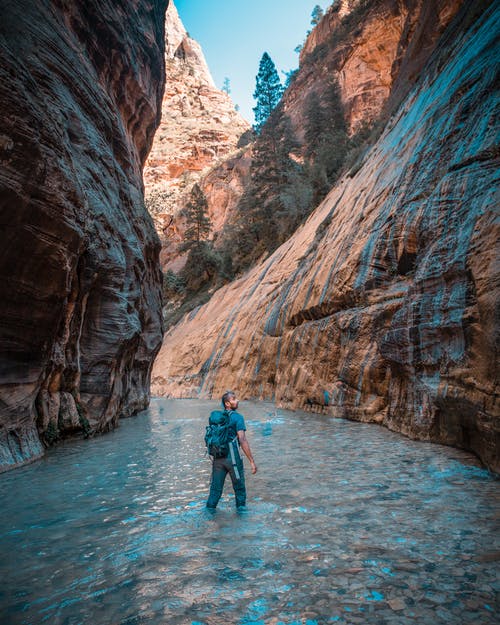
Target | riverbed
(345,523)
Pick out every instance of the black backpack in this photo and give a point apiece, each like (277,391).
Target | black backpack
(218,435)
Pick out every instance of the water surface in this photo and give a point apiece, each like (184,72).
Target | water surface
(346,523)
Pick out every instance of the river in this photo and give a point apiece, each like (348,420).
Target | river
(346,523)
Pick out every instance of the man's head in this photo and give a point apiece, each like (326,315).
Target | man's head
(229,400)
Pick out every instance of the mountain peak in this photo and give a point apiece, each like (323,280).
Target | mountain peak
(200,124)
(180,48)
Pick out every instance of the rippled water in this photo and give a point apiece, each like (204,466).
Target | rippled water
(346,523)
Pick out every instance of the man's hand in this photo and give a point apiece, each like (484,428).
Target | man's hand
(246,448)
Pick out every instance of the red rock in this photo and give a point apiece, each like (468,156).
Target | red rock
(374,50)
(200,130)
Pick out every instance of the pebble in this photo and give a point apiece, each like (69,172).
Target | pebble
(396,604)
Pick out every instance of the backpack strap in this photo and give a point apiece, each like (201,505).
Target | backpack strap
(233,460)
(232,451)
(229,413)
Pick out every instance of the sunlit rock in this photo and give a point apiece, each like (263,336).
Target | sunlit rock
(387,297)
(373,50)
(200,130)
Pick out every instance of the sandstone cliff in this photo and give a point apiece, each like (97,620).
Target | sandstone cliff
(200,129)
(374,50)
(387,297)
(80,314)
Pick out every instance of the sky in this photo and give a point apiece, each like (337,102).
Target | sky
(234,34)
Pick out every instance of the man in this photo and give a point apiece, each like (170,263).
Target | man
(232,464)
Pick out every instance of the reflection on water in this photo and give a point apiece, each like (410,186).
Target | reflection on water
(346,523)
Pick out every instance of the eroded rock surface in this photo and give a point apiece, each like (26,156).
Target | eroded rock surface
(374,50)
(80,315)
(387,297)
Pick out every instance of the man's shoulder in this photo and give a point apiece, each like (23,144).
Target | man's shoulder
(238,420)
(236,415)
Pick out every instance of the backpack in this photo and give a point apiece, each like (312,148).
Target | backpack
(218,435)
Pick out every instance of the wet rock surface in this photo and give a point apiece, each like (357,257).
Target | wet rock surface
(80,315)
(346,523)
(387,297)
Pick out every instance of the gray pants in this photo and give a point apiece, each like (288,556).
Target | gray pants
(220,468)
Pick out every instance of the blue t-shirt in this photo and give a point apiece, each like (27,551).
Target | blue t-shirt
(236,423)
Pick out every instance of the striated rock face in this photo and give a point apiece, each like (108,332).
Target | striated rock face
(330,21)
(375,50)
(199,130)
(387,297)
(223,186)
(80,316)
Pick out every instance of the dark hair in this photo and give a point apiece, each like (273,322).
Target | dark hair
(226,396)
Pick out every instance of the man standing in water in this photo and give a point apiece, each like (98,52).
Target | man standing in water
(232,464)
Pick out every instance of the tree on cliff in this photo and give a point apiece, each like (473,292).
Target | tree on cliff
(277,195)
(326,140)
(314,123)
(316,15)
(268,91)
(204,262)
(197,219)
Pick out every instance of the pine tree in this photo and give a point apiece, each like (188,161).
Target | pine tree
(268,91)
(315,124)
(326,139)
(197,219)
(203,263)
(226,87)
(277,195)
(334,108)
(316,15)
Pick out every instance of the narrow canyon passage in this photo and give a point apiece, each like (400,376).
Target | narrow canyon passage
(346,523)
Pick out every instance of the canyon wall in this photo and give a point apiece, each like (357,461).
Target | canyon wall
(81,85)
(373,49)
(387,297)
(198,137)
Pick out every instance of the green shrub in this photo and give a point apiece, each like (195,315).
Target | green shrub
(51,434)
(173,284)
(202,266)
(84,422)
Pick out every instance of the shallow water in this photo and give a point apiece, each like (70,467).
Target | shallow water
(346,523)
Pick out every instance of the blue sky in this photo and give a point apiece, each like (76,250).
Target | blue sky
(234,34)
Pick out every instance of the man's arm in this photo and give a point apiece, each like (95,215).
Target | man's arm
(246,448)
